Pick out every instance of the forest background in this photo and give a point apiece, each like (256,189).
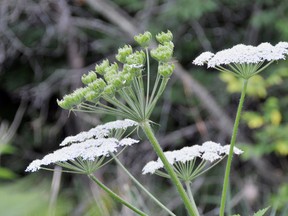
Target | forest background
(47,45)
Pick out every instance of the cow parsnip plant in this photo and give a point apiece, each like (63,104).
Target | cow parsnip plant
(126,90)
(243,62)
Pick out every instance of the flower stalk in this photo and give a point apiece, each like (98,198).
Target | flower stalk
(232,144)
(115,196)
(141,186)
(192,210)
(187,184)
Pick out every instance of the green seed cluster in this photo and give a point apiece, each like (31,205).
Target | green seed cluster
(113,77)
(90,77)
(164,52)
(73,99)
(123,53)
(162,37)
(166,69)
(143,39)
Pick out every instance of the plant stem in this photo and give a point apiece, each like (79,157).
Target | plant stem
(148,78)
(141,186)
(115,196)
(150,135)
(187,184)
(232,144)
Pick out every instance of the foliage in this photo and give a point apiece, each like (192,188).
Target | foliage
(279,200)
(261,212)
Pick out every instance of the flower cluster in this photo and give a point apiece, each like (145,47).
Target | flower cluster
(87,150)
(100,131)
(121,84)
(184,160)
(244,60)
(143,39)
(112,80)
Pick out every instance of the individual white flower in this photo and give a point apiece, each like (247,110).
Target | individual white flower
(99,131)
(236,150)
(184,160)
(244,60)
(76,155)
(127,142)
(151,167)
(203,58)
(283,46)
(211,156)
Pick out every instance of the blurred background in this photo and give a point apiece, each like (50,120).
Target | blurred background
(46,46)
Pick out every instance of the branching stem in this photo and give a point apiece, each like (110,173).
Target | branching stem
(192,211)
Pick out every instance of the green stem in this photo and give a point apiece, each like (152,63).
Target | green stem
(115,196)
(157,96)
(232,144)
(187,184)
(150,135)
(141,186)
(148,78)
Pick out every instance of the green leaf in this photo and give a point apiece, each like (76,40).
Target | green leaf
(261,212)
(236,215)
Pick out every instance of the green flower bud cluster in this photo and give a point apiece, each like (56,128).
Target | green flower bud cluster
(164,52)
(73,99)
(135,59)
(110,72)
(166,69)
(100,69)
(92,96)
(123,53)
(114,78)
(92,92)
(163,37)
(109,90)
(97,86)
(133,70)
(143,39)
(88,78)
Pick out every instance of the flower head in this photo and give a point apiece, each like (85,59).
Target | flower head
(75,156)
(203,58)
(164,37)
(244,60)
(100,131)
(143,39)
(100,68)
(86,151)
(166,69)
(184,160)
(123,53)
(88,78)
(164,52)
(123,88)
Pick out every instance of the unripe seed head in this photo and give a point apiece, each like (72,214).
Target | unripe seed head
(143,39)
(164,37)
(88,78)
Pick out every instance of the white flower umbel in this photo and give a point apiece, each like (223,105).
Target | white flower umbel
(190,162)
(244,60)
(203,58)
(100,131)
(82,157)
